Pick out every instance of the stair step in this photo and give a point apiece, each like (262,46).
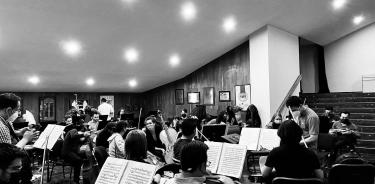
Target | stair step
(354,115)
(343,109)
(367,136)
(335,95)
(366,143)
(340,99)
(365,150)
(368,157)
(343,105)
(366,129)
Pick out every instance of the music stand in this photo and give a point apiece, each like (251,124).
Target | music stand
(214,132)
(102,121)
(127,116)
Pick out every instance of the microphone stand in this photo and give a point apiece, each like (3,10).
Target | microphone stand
(44,159)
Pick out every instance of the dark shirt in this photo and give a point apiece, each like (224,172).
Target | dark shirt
(72,142)
(151,143)
(325,124)
(102,139)
(293,161)
(178,147)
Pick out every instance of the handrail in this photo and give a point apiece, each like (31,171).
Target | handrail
(290,92)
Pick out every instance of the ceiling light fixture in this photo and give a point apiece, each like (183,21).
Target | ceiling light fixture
(229,24)
(174,60)
(338,4)
(90,81)
(131,55)
(71,47)
(132,83)
(34,80)
(188,11)
(358,19)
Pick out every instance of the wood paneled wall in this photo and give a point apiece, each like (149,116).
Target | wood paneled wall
(223,73)
(30,101)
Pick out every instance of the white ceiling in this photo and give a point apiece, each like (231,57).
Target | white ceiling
(30,32)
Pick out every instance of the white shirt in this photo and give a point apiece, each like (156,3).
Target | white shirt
(106,109)
(29,117)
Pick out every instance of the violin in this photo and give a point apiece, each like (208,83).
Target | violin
(168,137)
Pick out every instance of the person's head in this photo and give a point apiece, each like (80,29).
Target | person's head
(121,111)
(290,133)
(68,119)
(10,161)
(294,102)
(150,122)
(194,157)
(9,104)
(344,115)
(136,145)
(328,110)
(103,100)
(95,117)
(110,127)
(345,122)
(121,126)
(188,127)
(277,118)
(222,117)
(184,113)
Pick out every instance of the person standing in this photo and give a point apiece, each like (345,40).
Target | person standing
(105,108)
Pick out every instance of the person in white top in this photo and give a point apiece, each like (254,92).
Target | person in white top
(106,108)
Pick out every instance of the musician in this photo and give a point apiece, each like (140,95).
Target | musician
(152,130)
(136,146)
(275,121)
(307,119)
(193,166)
(252,117)
(105,108)
(117,142)
(25,116)
(231,116)
(120,112)
(10,163)
(71,152)
(93,124)
(104,134)
(326,120)
(184,113)
(291,159)
(188,129)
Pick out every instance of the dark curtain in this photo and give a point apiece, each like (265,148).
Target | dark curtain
(322,78)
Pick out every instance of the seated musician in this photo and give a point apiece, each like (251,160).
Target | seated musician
(291,159)
(94,122)
(117,142)
(10,163)
(136,147)
(346,133)
(188,128)
(71,152)
(152,130)
(104,134)
(193,166)
(275,121)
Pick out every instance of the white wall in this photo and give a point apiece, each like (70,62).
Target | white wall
(274,66)
(349,58)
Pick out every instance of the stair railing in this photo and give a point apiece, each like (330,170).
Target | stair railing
(290,92)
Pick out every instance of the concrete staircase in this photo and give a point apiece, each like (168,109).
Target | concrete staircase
(362,113)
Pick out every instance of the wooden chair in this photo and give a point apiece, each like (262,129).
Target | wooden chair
(352,173)
(285,180)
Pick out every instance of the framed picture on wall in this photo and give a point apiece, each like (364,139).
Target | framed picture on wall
(110,99)
(208,96)
(224,96)
(193,97)
(243,96)
(47,109)
(179,96)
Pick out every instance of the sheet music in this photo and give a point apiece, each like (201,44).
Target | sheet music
(41,141)
(232,160)
(55,135)
(269,139)
(213,155)
(138,173)
(250,137)
(111,171)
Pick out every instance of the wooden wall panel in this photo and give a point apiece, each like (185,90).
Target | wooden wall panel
(223,73)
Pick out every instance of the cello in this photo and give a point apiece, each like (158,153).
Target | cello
(168,137)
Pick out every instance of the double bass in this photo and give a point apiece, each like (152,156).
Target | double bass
(168,137)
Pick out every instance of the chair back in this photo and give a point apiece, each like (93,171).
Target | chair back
(351,173)
(326,142)
(174,168)
(286,180)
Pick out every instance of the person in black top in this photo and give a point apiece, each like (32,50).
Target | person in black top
(231,116)
(291,159)
(188,128)
(74,139)
(104,134)
(152,130)
(326,120)
(252,117)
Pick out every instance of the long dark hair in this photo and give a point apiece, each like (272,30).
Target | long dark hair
(252,116)
(136,145)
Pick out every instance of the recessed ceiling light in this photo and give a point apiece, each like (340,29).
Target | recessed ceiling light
(358,19)
(337,4)
(132,83)
(174,60)
(34,79)
(128,1)
(188,11)
(90,81)
(131,55)
(229,24)
(71,47)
